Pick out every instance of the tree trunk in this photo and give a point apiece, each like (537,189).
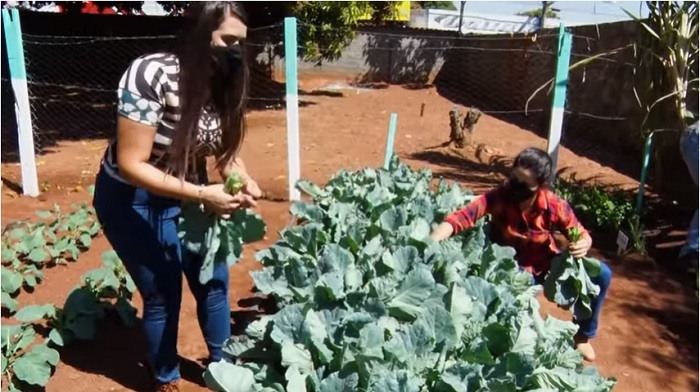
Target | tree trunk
(470,120)
(456,131)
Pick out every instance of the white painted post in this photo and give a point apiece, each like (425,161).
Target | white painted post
(18,77)
(290,76)
(389,151)
(561,79)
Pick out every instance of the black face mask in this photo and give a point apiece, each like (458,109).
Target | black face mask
(520,191)
(227,60)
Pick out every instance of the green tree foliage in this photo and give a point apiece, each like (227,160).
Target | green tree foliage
(537,12)
(667,63)
(327,27)
(435,5)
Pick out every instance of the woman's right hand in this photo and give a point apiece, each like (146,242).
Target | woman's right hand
(215,199)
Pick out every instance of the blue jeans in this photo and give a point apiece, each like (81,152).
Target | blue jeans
(142,229)
(689,151)
(589,327)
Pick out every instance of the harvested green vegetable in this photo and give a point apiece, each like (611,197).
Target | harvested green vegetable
(569,284)
(217,239)
(234,183)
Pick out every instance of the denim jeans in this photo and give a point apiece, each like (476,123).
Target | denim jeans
(589,327)
(142,229)
(689,151)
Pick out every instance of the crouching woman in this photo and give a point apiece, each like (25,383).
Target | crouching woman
(525,213)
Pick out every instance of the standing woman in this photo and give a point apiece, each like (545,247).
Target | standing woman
(175,110)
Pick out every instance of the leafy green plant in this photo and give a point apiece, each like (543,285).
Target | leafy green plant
(666,69)
(28,247)
(668,58)
(20,275)
(59,237)
(77,228)
(568,282)
(22,363)
(218,239)
(113,286)
(104,289)
(76,320)
(636,234)
(368,302)
(596,207)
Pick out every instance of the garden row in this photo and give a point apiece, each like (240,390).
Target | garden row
(29,347)
(103,291)
(28,248)
(368,302)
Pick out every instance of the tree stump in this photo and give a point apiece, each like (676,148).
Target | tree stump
(456,133)
(470,120)
(462,130)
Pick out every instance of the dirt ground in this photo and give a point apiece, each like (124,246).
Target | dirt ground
(648,338)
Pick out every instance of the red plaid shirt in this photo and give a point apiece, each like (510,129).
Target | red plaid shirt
(529,232)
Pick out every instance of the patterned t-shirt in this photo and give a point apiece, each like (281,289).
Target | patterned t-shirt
(148,93)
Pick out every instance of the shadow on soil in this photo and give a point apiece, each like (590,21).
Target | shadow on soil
(467,82)
(484,172)
(256,307)
(106,354)
(673,308)
(12,185)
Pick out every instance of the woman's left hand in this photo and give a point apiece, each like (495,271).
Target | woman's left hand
(581,247)
(252,189)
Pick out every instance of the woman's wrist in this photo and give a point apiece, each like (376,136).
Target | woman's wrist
(194,193)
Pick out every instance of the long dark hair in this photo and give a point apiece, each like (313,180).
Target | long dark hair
(197,89)
(537,161)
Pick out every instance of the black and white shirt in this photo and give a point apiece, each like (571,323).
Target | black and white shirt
(148,93)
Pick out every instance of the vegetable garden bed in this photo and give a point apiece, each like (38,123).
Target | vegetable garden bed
(368,302)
